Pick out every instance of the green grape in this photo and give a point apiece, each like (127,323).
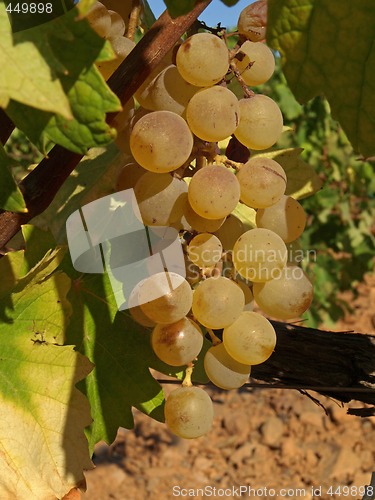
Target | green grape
(178,343)
(213,114)
(117,25)
(251,339)
(203,59)
(224,371)
(249,297)
(230,231)
(286,218)
(252,22)
(165,297)
(169,91)
(205,250)
(217,302)
(262,182)
(99,19)
(136,312)
(259,255)
(261,122)
(129,176)
(161,141)
(122,47)
(255,62)
(199,223)
(189,412)
(214,192)
(159,197)
(287,296)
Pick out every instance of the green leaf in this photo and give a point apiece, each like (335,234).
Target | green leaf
(25,75)
(122,354)
(321,57)
(70,47)
(302,178)
(10,195)
(179,7)
(43,415)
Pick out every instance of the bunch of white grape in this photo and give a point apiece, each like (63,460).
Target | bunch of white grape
(180,180)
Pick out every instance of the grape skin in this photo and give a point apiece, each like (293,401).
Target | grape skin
(259,255)
(199,223)
(214,192)
(159,197)
(178,343)
(287,296)
(262,182)
(122,47)
(203,59)
(261,122)
(161,141)
(117,25)
(256,63)
(205,250)
(230,231)
(217,302)
(286,218)
(99,19)
(165,297)
(189,412)
(252,21)
(251,339)
(224,371)
(213,114)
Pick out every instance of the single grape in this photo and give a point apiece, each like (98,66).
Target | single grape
(159,197)
(169,91)
(252,22)
(287,296)
(205,250)
(122,47)
(99,19)
(262,182)
(213,114)
(251,339)
(286,218)
(261,122)
(214,192)
(248,294)
(230,231)
(259,255)
(117,25)
(217,302)
(189,412)
(161,141)
(255,62)
(203,59)
(123,132)
(178,343)
(165,297)
(224,371)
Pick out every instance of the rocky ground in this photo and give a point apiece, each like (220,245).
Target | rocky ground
(270,442)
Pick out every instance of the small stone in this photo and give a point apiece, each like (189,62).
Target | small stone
(272,431)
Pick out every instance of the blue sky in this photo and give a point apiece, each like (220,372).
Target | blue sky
(216,12)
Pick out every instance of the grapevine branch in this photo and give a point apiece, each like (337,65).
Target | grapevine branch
(41,185)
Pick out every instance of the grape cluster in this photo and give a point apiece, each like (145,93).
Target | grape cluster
(181,180)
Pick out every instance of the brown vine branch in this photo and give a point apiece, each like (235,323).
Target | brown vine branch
(41,185)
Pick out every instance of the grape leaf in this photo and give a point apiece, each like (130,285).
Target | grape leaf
(122,355)
(302,178)
(70,47)
(10,195)
(25,76)
(43,416)
(319,57)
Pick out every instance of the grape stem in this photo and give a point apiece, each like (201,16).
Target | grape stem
(133,19)
(247,92)
(188,373)
(215,339)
